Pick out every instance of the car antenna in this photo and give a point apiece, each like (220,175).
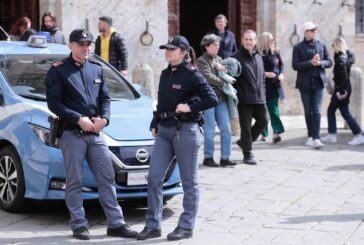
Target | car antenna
(6,34)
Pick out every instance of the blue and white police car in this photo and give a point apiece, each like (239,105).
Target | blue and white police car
(31,167)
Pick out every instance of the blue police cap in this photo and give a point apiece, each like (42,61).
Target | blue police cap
(80,36)
(177,42)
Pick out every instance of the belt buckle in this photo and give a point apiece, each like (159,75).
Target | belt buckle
(163,115)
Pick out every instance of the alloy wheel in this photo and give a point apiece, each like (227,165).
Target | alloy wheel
(8,180)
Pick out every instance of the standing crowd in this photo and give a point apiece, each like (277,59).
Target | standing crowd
(223,83)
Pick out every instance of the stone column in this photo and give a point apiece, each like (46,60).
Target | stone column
(356,98)
(143,75)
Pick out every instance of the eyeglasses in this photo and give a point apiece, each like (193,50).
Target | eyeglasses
(313,30)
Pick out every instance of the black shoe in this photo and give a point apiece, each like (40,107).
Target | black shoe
(210,162)
(276,139)
(81,233)
(240,144)
(147,233)
(249,160)
(122,231)
(226,162)
(180,233)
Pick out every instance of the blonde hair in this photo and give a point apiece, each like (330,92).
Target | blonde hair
(339,45)
(263,44)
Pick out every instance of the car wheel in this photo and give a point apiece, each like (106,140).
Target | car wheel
(12,186)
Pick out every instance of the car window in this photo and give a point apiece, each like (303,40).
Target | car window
(26,75)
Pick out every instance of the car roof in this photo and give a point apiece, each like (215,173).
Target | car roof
(16,47)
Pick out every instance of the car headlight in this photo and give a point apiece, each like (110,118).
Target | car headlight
(43,135)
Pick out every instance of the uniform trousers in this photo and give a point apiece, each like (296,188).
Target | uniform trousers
(184,145)
(76,148)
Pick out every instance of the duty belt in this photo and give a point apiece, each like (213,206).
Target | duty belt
(166,114)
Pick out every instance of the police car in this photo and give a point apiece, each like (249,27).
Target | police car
(31,167)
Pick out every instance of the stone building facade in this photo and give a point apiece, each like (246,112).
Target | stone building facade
(193,18)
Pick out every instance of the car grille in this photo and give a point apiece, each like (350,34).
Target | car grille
(121,175)
(133,155)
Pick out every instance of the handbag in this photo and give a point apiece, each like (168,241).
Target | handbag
(330,86)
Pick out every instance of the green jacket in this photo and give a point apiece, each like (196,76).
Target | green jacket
(205,63)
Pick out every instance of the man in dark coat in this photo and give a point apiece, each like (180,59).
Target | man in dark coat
(227,43)
(110,45)
(251,95)
(310,59)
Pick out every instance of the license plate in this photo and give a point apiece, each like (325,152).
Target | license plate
(137,178)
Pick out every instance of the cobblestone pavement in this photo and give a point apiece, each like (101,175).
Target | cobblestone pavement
(295,195)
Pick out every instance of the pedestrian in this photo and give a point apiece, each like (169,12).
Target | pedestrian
(209,65)
(78,94)
(49,24)
(175,127)
(310,59)
(274,68)
(110,45)
(227,41)
(251,95)
(343,59)
(22,30)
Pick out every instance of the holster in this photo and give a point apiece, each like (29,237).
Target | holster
(56,129)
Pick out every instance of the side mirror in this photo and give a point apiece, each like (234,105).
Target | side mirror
(2,99)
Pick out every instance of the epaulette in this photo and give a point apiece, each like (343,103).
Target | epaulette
(94,62)
(57,63)
(190,67)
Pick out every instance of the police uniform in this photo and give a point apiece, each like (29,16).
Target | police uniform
(74,90)
(177,135)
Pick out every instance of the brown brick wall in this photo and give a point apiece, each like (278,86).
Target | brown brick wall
(173,18)
(248,14)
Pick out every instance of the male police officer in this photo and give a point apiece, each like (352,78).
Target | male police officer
(77,93)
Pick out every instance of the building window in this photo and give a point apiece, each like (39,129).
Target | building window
(359,20)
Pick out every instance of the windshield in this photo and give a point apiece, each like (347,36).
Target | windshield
(26,75)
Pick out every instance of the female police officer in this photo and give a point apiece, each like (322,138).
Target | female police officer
(175,126)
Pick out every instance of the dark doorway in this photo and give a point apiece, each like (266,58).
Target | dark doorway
(197,18)
(11,10)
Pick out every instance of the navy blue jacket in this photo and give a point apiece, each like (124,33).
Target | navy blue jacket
(301,62)
(250,85)
(73,91)
(178,85)
(227,44)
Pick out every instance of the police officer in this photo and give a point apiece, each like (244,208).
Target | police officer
(176,131)
(77,93)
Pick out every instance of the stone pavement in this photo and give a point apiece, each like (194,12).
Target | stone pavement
(295,195)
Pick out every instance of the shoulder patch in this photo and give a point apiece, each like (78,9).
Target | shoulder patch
(57,63)
(191,67)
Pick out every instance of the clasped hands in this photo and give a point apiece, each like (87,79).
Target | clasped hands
(316,60)
(95,124)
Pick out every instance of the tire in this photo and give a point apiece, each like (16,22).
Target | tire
(12,184)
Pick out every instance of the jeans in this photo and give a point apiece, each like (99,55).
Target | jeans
(220,114)
(312,100)
(249,132)
(344,110)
